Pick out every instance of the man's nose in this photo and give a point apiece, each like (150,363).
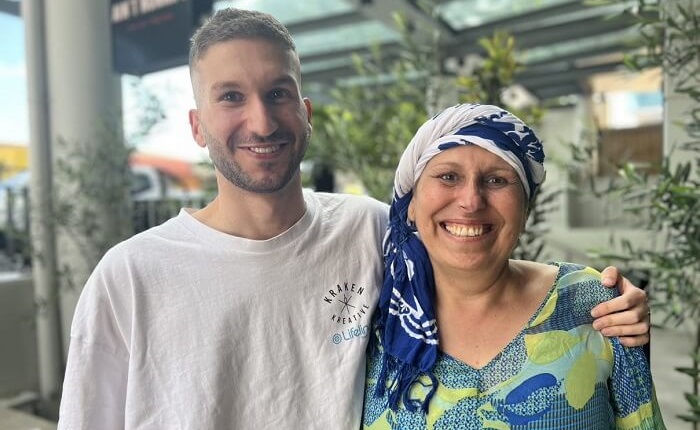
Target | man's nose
(260,118)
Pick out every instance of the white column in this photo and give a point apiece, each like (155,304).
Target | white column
(48,328)
(85,108)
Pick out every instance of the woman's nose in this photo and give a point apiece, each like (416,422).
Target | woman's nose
(470,196)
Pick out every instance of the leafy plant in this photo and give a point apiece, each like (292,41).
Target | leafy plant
(669,203)
(96,180)
(370,122)
(494,74)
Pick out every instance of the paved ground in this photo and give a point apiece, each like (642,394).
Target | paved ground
(15,420)
(670,348)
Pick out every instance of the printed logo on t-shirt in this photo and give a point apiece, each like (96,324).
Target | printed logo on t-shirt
(347,308)
(346,304)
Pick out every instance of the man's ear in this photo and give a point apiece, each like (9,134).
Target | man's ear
(309,108)
(196,127)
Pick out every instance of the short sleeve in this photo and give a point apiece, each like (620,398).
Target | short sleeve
(94,388)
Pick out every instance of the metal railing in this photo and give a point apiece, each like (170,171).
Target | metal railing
(15,252)
(149,213)
(14,228)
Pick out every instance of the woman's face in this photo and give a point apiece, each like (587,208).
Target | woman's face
(469,207)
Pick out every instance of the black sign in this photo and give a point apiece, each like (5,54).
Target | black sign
(153,35)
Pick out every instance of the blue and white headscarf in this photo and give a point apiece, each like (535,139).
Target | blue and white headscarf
(406,318)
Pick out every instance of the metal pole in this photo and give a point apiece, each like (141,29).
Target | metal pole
(50,358)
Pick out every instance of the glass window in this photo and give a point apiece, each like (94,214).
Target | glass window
(464,14)
(291,12)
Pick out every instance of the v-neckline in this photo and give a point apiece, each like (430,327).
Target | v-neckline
(510,345)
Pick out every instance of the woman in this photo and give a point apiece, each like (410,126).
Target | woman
(515,346)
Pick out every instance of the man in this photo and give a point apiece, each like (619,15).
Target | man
(252,312)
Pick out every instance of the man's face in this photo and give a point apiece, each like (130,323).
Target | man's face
(250,113)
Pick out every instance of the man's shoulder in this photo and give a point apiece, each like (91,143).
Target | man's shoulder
(351,202)
(143,244)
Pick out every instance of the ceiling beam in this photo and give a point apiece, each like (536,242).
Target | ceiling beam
(554,91)
(531,30)
(567,31)
(526,20)
(326,23)
(328,75)
(546,77)
(424,27)
(537,81)
(617,43)
(550,79)
(9,7)
(388,50)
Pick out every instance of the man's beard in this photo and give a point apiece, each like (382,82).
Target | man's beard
(234,173)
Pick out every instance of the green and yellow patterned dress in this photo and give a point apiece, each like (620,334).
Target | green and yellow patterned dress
(558,373)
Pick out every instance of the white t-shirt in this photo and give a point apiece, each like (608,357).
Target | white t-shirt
(185,327)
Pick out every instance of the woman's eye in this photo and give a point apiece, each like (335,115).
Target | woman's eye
(496,181)
(448,177)
(278,94)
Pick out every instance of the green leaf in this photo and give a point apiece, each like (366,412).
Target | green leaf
(692,372)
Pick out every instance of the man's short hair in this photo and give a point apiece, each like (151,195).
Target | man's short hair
(230,24)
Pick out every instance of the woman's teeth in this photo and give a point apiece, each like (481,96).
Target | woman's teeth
(465,230)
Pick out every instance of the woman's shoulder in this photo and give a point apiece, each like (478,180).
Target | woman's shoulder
(537,278)
(579,287)
(574,289)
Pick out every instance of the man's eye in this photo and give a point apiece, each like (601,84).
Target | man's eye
(232,96)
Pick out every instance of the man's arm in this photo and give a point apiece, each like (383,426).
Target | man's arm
(626,316)
(94,390)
